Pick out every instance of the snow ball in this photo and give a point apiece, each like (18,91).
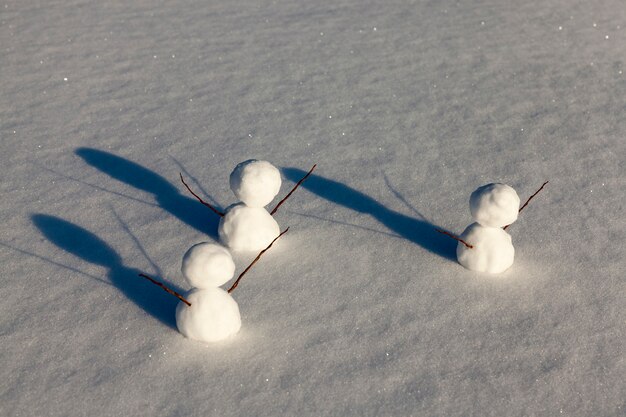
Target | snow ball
(494,205)
(247,229)
(212,316)
(207,265)
(255,183)
(492,249)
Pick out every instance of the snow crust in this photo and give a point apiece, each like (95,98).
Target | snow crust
(363,310)
(492,249)
(247,229)
(494,205)
(207,265)
(255,183)
(212,316)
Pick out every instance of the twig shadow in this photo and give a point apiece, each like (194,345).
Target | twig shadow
(418,231)
(89,247)
(169,198)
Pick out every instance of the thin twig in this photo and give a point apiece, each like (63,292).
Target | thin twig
(231,289)
(166,289)
(455,238)
(292,190)
(528,201)
(216,211)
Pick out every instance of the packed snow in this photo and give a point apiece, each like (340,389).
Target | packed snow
(212,316)
(491,249)
(255,183)
(494,205)
(207,265)
(362,309)
(247,229)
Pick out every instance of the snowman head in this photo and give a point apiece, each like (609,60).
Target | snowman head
(255,183)
(207,265)
(494,205)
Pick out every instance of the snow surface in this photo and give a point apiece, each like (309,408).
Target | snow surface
(361,309)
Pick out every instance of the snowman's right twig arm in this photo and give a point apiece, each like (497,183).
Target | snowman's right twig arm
(216,211)
(455,238)
(232,288)
(292,190)
(166,289)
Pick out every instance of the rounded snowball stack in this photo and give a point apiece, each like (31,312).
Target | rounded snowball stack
(492,250)
(247,226)
(255,183)
(493,206)
(213,314)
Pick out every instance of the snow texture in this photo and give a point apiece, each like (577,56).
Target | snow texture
(362,308)
(207,265)
(255,183)
(494,205)
(491,251)
(212,316)
(247,229)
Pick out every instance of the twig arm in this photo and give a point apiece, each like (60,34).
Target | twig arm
(292,190)
(236,283)
(528,201)
(216,211)
(166,289)
(455,238)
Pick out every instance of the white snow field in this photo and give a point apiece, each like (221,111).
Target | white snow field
(361,309)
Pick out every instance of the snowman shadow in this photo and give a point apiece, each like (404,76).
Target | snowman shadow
(419,231)
(90,248)
(186,209)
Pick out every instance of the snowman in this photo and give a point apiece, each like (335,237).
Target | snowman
(248,226)
(208,313)
(485,246)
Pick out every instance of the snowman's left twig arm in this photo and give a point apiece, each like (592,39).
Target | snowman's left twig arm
(292,190)
(528,201)
(232,288)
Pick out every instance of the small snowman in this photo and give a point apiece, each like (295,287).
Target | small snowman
(208,313)
(485,246)
(248,226)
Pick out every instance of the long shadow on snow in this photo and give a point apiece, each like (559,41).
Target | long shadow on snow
(169,198)
(417,231)
(89,247)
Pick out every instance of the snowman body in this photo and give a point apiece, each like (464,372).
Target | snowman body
(213,314)
(493,206)
(247,226)
(247,229)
